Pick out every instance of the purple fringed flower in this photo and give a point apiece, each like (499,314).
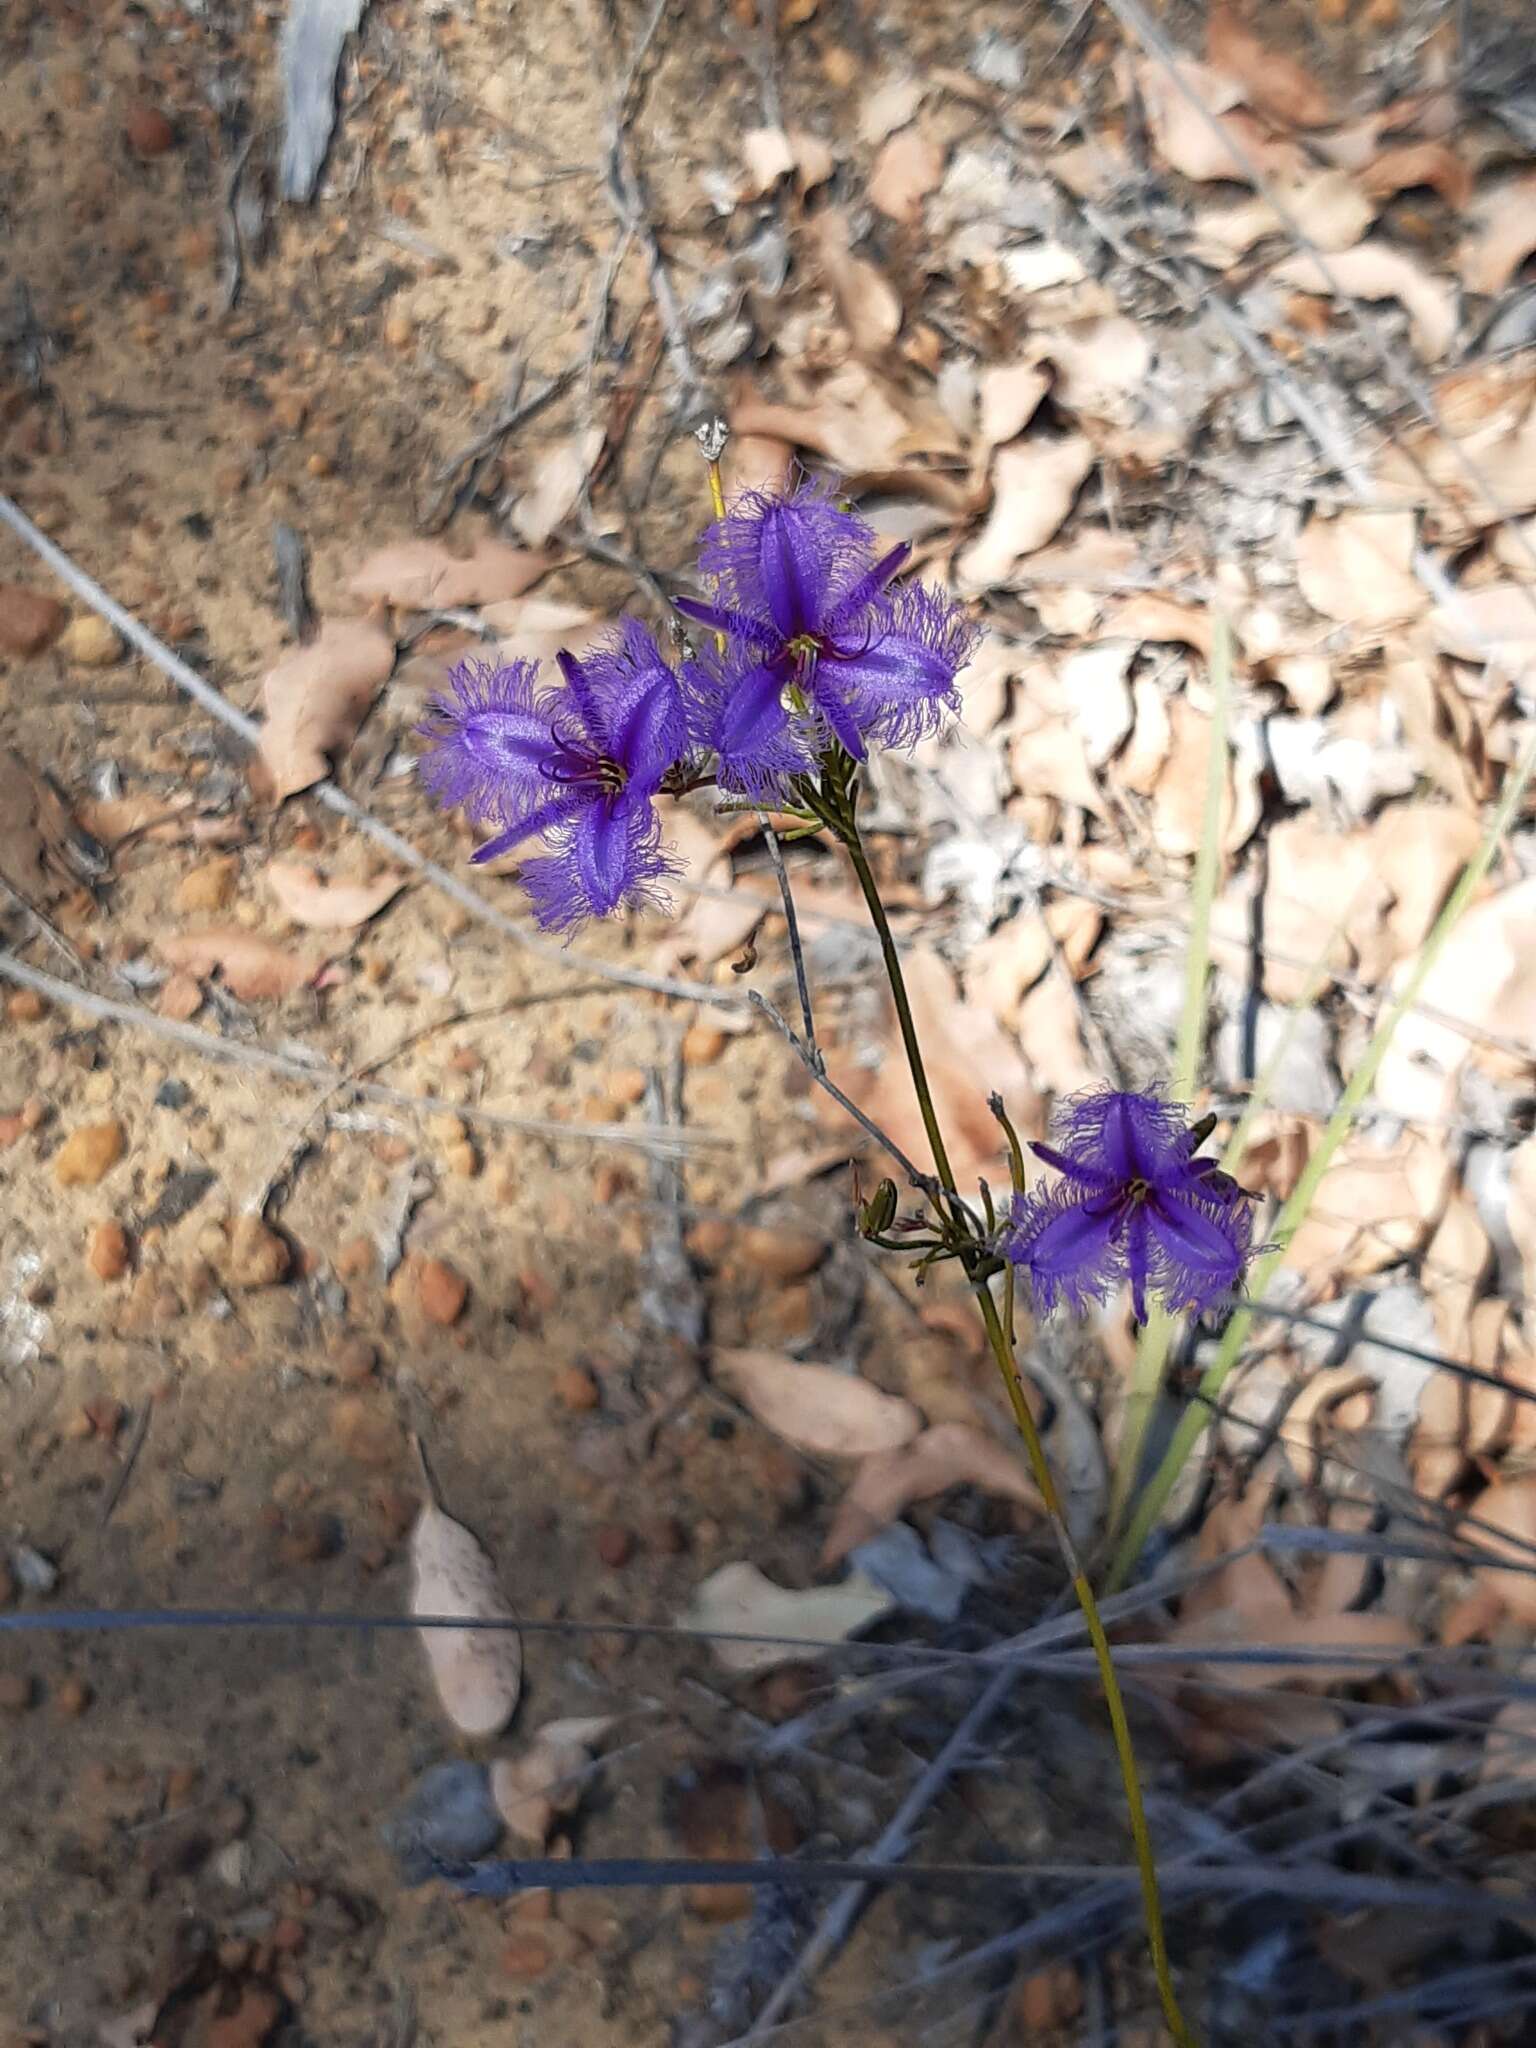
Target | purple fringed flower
(1133,1203)
(581,764)
(818,647)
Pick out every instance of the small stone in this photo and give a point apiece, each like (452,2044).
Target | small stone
(462,1160)
(526,1955)
(107,1253)
(17,1692)
(257,1256)
(615,1545)
(703,1045)
(181,1781)
(309,1539)
(609,1182)
(288,1935)
(781,1254)
(89,1153)
(626,1086)
(363,1433)
(148,131)
(11,1129)
(355,1360)
(440,1290)
(71,1697)
(29,622)
(576,1388)
(38,1574)
(105,1416)
(181,998)
(399,329)
(251,2022)
(357,1259)
(290,411)
(25,1006)
(538,1290)
(708,1240)
(89,642)
(172,1095)
(34,1113)
(208,886)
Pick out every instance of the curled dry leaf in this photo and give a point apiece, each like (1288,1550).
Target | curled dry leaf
(556,485)
(1008,396)
(533,1789)
(1271,80)
(816,1406)
(1034,485)
(1486,412)
(1419,163)
(535,628)
(315,699)
(1370,1208)
(1231,144)
(866,304)
(1494,627)
(1501,234)
(740,1600)
(950,1454)
(421,575)
(908,168)
(854,421)
(478,1672)
(252,968)
(1178,799)
(772,154)
(1373,270)
(330,906)
(1357,568)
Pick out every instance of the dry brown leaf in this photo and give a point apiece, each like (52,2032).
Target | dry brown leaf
(1050,1031)
(330,906)
(1140,766)
(908,168)
(1100,364)
(1008,396)
(555,487)
(1034,485)
(478,1672)
(544,1781)
(866,304)
(40,852)
(1374,270)
(854,421)
(889,107)
(1234,147)
(251,968)
(535,628)
(1494,626)
(1328,206)
(143,815)
(1484,981)
(1356,568)
(772,154)
(1273,81)
(1377,1636)
(757,462)
(1323,901)
(1371,1207)
(1488,415)
(950,1454)
(1178,800)
(1151,617)
(424,575)
(1503,1523)
(1419,163)
(817,1407)
(1093,682)
(315,699)
(967,1058)
(739,1600)
(1501,234)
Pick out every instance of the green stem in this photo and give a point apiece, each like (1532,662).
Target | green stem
(849,833)
(978,1263)
(1196,1418)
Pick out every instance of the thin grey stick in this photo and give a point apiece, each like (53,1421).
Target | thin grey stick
(796,951)
(811,1059)
(336,799)
(230,1051)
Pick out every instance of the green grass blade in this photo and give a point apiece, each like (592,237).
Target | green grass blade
(1196,1418)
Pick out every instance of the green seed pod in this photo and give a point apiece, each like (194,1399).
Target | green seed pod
(879,1212)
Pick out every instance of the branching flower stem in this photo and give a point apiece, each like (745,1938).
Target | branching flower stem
(835,801)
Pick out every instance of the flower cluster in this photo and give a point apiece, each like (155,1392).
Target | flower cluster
(1132,1203)
(808,647)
